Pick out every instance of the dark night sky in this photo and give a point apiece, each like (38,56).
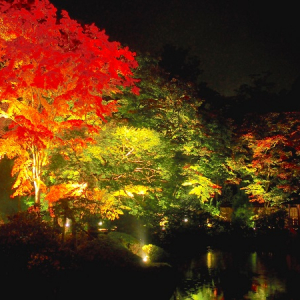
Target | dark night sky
(232,39)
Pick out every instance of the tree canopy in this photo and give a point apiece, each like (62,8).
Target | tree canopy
(94,129)
(57,76)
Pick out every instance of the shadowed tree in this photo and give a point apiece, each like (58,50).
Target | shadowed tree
(179,64)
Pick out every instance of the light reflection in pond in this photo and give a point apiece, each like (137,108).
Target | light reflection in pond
(221,275)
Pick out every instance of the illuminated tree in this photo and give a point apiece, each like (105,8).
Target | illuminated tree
(128,166)
(56,77)
(266,158)
(142,155)
(198,141)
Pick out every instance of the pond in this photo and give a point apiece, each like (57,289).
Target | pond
(224,275)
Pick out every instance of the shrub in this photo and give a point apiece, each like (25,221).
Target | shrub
(155,253)
(128,241)
(107,253)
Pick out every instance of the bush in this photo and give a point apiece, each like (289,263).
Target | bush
(23,237)
(106,252)
(128,241)
(155,253)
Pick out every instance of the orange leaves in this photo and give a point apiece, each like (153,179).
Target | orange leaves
(9,147)
(53,77)
(23,184)
(96,201)
(257,198)
(215,186)
(270,142)
(23,187)
(65,191)
(283,176)
(267,152)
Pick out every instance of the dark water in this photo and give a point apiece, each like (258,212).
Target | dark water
(224,275)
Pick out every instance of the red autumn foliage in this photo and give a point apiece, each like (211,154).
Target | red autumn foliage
(54,74)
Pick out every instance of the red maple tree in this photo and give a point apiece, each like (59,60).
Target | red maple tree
(56,76)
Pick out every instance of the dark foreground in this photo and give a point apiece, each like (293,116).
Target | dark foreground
(154,282)
(35,265)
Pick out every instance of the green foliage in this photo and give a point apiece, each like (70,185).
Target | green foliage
(203,188)
(8,206)
(155,253)
(159,149)
(243,213)
(195,137)
(243,216)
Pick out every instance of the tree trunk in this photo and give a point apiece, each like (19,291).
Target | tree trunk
(63,229)
(74,234)
(36,175)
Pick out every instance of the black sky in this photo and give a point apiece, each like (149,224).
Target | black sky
(232,39)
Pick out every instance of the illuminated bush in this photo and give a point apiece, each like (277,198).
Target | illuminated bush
(154,253)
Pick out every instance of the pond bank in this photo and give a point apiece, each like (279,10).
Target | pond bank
(147,282)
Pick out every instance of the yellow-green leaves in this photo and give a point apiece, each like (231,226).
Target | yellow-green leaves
(202,187)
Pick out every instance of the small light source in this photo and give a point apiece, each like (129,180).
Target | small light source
(100,223)
(185,220)
(209,224)
(145,258)
(67,223)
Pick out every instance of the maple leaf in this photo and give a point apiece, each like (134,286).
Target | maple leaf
(63,191)
(54,75)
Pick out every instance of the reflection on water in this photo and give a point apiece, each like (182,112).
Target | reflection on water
(221,275)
